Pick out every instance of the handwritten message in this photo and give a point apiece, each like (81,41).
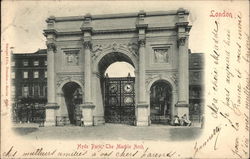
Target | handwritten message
(95,151)
(228,92)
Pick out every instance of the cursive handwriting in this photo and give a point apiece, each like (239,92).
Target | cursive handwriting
(214,134)
(236,147)
(40,152)
(10,152)
(147,154)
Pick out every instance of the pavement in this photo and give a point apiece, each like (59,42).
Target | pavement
(108,132)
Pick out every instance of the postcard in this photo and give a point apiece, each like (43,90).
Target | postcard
(125,79)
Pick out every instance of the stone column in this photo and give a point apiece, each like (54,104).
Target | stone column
(142,106)
(87,106)
(142,88)
(183,72)
(52,105)
(183,68)
(183,82)
(87,71)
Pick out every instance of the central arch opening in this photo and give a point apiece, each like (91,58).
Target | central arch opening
(118,88)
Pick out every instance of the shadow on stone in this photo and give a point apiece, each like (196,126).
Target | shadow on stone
(177,134)
(24,131)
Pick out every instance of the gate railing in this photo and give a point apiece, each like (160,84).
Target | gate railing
(160,119)
(195,118)
(62,120)
(28,114)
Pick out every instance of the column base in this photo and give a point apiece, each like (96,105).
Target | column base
(98,120)
(142,115)
(142,123)
(87,113)
(50,119)
(49,123)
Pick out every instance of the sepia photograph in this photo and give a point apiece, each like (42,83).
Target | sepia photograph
(125,79)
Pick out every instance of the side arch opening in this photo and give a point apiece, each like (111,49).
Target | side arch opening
(161,98)
(73,98)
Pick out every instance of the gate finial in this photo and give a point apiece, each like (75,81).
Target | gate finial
(107,75)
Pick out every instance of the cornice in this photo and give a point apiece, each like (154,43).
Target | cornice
(122,15)
(60,33)
(50,31)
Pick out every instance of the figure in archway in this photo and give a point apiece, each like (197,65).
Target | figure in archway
(73,99)
(160,102)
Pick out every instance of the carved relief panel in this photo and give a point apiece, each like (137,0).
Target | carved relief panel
(71,57)
(161,56)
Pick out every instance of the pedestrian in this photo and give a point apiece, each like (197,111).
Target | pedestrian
(185,120)
(82,124)
(176,120)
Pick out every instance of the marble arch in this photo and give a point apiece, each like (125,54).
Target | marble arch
(155,42)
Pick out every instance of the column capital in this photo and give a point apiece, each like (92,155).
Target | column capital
(51,46)
(87,44)
(181,41)
(142,42)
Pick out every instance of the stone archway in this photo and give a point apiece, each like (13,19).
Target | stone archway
(103,62)
(169,80)
(70,97)
(161,99)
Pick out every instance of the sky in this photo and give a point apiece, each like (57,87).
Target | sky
(23,22)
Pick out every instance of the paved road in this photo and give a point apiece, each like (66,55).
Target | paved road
(109,132)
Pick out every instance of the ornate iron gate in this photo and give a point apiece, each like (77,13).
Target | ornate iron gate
(119,97)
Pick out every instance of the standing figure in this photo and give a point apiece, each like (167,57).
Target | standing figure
(176,121)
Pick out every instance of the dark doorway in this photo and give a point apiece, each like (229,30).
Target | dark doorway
(73,98)
(119,100)
(160,102)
